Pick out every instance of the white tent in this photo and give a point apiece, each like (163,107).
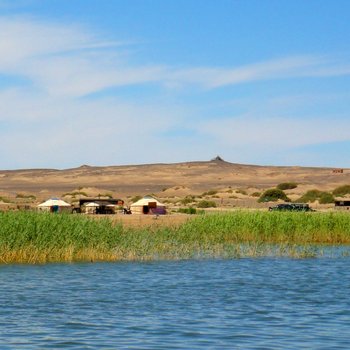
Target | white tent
(54,205)
(90,208)
(92,205)
(148,205)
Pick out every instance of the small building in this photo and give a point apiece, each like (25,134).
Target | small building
(90,208)
(342,204)
(338,171)
(148,205)
(99,206)
(55,205)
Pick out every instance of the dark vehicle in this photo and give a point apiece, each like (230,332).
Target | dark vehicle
(291,207)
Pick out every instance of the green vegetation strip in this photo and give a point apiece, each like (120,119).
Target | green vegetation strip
(39,238)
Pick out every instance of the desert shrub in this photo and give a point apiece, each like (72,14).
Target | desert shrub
(310,196)
(272,195)
(241,191)
(209,193)
(256,194)
(342,191)
(206,204)
(75,193)
(287,186)
(326,198)
(108,195)
(25,196)
(313,195)
(5,200)
(188,199)
(80,193)
(189,210)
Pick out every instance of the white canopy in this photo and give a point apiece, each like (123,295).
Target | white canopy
(146,200)
(54,202)
(92,204)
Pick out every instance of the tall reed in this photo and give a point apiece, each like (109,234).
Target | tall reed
(42,237)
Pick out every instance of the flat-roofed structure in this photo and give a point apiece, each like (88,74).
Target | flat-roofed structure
(99,205)
(342,204)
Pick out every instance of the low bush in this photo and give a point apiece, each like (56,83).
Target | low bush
(108,195)
(206,204)
(310,196)
(5,200)
(313,195)
(240,191)
(189,210)
(209,193)
(273,195)
(342,191)
(75,193)
(287,186)
(25,196)
(326,198)
(187,200)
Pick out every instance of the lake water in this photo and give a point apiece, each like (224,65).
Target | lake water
(205,304)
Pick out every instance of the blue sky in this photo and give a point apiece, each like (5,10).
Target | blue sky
(109,82)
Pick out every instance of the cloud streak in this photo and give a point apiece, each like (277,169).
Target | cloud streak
(64,64)
(69,59)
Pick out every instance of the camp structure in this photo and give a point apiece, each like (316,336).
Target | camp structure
(4,206)
(91,208)
(54,205)
(99,205)
(342,204)
(148,205)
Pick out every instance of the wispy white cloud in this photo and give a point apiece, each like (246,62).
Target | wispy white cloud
(69,59)
(274,69)
(63,62)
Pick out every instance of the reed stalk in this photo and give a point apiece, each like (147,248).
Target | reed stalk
(27,237)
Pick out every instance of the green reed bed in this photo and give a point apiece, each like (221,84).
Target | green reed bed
(270,227)
(38,238)
(257,233)
(41,237)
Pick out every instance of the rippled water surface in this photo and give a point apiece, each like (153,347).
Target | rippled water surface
(208,304)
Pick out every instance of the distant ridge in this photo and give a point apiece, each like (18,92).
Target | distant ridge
(195,177)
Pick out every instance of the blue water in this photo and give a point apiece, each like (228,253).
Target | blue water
(206,304)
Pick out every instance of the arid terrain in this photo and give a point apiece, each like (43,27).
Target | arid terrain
(228,184)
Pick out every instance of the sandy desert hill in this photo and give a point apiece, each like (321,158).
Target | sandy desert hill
(232,182)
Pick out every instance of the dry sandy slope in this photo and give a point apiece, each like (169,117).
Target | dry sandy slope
(166,180)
